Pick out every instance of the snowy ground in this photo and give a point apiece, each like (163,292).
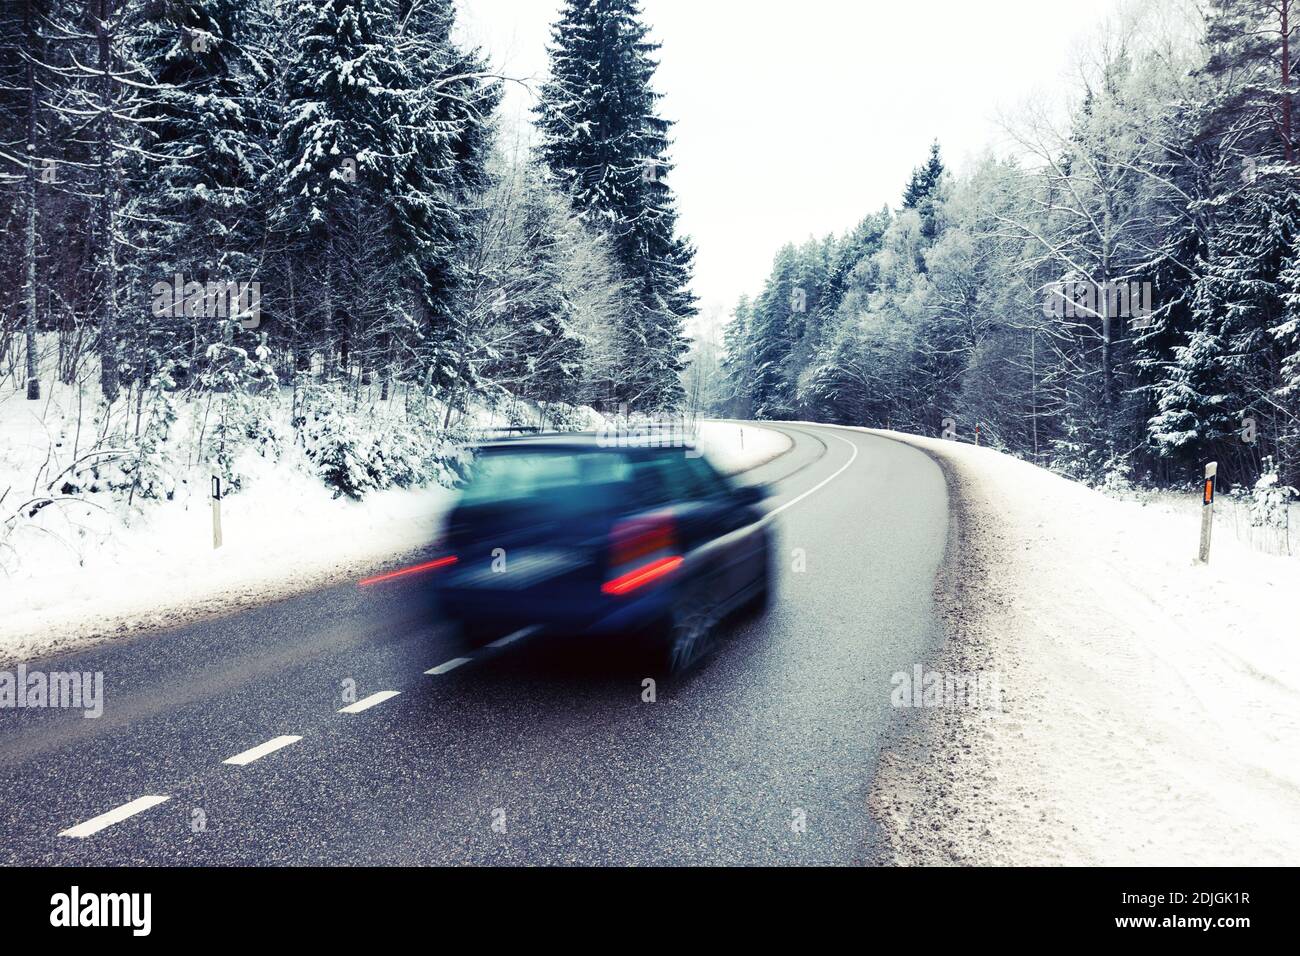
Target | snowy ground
(733,447)
(1232,519)
(83,574)
(1150,707)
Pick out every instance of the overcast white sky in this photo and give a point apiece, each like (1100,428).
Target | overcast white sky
(798,118)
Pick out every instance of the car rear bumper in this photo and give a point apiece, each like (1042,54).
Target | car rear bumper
(602,614)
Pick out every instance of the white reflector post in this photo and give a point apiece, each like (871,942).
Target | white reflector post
(216,512)
(1207,510)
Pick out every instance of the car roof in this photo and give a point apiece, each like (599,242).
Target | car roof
(635,444)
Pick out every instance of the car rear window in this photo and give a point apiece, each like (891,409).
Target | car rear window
(673,477)
(517,475)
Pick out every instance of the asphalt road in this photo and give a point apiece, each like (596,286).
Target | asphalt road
(528,753)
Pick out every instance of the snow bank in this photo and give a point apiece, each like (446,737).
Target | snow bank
(1233,517)
(89,565)
(285,534)
(734,447)
(1150,707)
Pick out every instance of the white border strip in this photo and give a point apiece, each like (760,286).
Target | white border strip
(366,703)
(94,825)
(450,665)
(261,750)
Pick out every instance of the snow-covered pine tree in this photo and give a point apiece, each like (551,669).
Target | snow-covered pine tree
(448,97)
(21,138)
(1287,335)
(808,310)
(541,353)
(925,179)
(772,337)
(201,159)
(605,142)
(921,192)
(338,150)
(1235,363)
(738,360)
(98,92)
(1177,189)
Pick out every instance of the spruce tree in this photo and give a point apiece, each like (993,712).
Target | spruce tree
(542,357)
(737,361)
(338,148)
(201,160)
(776,314)
(1239,337)
(608,148)
(925,179)
(447,99)
(921,192)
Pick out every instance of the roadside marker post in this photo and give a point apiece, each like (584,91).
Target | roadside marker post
(1207,510)
(216,512)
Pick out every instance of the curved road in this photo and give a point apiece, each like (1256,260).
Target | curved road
(526,753)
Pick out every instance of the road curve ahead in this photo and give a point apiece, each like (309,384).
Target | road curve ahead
(347,726)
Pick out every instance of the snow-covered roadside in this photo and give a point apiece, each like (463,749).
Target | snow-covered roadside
(1232,518)
(285,534)
(734,447)
(1150,708)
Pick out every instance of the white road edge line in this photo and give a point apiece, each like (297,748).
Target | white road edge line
(821,484)
(94,825)
(365,703)
(513,636)
(450,665)
(261,750)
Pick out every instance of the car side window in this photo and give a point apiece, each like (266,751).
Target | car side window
(668,478)
(698,479)
(650,483)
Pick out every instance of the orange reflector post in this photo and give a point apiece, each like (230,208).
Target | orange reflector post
(1207,512)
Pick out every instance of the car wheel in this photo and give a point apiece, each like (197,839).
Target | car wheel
(689,635)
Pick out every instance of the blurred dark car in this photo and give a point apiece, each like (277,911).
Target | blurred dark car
(648,546)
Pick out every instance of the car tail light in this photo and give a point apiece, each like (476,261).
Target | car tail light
(641,550)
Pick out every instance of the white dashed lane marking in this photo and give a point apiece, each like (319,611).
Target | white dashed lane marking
(450,665)
(93,826)
(261,750)
(366,703)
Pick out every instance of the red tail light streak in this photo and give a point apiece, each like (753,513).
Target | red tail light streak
(414,569)
(641,576)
